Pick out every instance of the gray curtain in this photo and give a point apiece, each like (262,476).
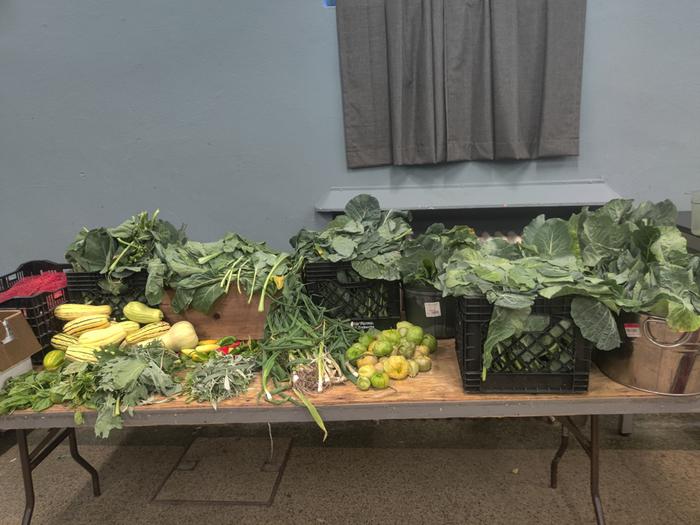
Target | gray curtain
(429,81)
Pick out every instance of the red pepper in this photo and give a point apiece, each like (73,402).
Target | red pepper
(226,350)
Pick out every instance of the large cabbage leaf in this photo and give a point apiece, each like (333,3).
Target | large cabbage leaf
(365,235)
(619,257)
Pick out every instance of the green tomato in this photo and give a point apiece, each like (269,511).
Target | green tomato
(422,350)
(413,368)
(406,349)
(429,341)
(353,353)
(366,371)
(382,348)
(392,336)
(366,360)
(363,383)
(414,334)
(402,327)
(424,363)
(365,340)
(380,380)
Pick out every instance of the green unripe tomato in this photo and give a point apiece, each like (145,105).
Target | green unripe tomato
(380,380)
(429,341)
(414,334)
(407,349)
(382,348)
(421,350)
(366,360)
(402,327)
(374,333)
(363,383)
(366,371)
(365,340)
(424,363)
(392,336)
(353,353)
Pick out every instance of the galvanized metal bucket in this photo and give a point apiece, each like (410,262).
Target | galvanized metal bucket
(654,358)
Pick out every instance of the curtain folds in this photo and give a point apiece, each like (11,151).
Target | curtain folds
(429,81)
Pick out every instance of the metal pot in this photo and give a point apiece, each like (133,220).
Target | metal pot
(654,358)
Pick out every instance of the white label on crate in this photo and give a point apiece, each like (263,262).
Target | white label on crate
(432,309)
(633,330)
(362,325)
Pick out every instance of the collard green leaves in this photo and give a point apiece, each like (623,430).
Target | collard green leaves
(365,235)
(619,257)
(201,273)
(364,209)
(424,257)
(596,322)
(91,251)
(548,238)
(504,324)
(136,245)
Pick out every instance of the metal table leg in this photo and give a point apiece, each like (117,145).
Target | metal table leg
(594,455)
(31,460)
(592,448)
(626,424)
(73,445)
(553,471)
(26,476)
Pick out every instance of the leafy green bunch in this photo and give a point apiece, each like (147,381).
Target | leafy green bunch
(365,235)
(135,245)
(617,258)
(202,272)
(74,385)
(128,378)
(641,248)
(120,380)
(425,256)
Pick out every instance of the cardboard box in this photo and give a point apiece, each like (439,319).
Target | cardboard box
(17,341)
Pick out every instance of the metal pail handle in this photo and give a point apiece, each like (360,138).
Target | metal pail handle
(685,336)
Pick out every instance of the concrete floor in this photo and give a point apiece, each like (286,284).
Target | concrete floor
(441,471)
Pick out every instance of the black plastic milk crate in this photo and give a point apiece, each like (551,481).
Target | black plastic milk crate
(556,359)
(368,303)
(37,309)
(85,287)
(89,283)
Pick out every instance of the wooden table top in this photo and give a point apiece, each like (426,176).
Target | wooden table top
(435,394)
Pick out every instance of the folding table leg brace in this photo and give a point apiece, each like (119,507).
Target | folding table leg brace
(31,460)
(592,448)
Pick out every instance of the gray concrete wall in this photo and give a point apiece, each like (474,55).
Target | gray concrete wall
(225,114)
